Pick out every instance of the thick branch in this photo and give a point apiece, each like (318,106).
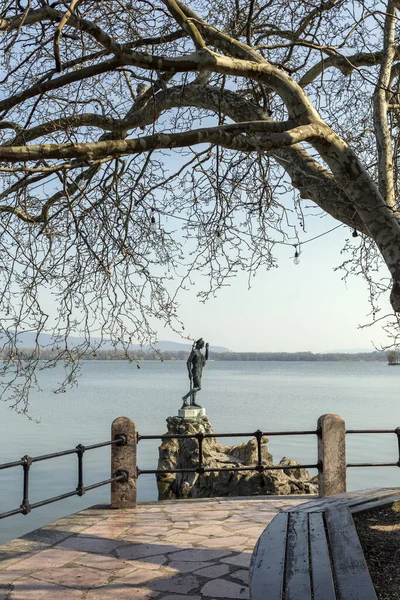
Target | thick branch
(186,23)
(345,64)
(228,136)
(65,124)
(57,34)
(59,82)
(383,141)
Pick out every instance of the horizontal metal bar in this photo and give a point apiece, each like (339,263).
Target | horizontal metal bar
(54,499)
(10,513)
(42,457)
(61,496)
(371,431)
(222,435)
(105,482)
(17,463)
(372,465)
(53,455)
(216,469)
(102,444)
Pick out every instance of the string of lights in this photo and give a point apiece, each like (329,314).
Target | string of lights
(219,239)
(297,246)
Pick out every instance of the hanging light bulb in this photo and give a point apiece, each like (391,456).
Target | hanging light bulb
(153,224)
(296,259)
(354,234)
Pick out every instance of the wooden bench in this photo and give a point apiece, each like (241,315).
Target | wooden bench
(312,551)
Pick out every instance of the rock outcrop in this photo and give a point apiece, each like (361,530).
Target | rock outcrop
(175,453)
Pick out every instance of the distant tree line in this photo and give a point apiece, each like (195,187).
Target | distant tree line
(300,356)
(138,355)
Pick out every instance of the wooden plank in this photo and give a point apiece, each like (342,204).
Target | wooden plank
(297,580)
(347,499)
(350,569)
(386,501)
(321,570)
(268,561)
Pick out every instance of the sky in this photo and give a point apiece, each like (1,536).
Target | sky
(293,308)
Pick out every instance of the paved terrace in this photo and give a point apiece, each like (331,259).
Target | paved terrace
(176,550)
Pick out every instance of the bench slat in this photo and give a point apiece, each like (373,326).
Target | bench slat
(352,575)
(346,499)
(297,585)
(267,568)
(321,573)
(386,501)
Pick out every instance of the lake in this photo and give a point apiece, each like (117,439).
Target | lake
(238,396)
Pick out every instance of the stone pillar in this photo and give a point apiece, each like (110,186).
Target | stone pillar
(123,458)
(332,455)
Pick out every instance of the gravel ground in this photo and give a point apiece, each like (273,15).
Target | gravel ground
(379,533)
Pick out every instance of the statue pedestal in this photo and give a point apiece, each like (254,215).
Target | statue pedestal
(191,412)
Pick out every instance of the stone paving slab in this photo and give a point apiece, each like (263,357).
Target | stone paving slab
(172,550)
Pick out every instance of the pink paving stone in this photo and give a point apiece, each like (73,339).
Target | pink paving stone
(179,597)
(211,530)
(101,562)
(226,542)
(88,544)
(235,519)
(182,525)
(187,567)
(137,576)
(119,592)
(241,560)
(242,574)
(219,516)
(82,577)
(179,518)
(31,589)
(134,551)
(9,575)
(53,557)
(239,526)
(124,517)
(252,531)
(107,531)
(151,562)
(198,554)
(220,588)
(214,571)
(139,539)
(177,585)
(146,530)
(182,538)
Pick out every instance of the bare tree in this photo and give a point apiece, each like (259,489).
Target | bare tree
(136,136)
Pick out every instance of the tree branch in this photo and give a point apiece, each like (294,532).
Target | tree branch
(382,133)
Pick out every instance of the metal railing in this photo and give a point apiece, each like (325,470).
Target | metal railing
(27,461)
(376,431)
(331,464)
(201,469)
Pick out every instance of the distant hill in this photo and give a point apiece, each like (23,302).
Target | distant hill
(166,346)
(27,339)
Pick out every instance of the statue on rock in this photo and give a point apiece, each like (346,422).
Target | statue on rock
(195,364)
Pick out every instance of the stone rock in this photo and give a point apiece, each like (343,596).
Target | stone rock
(179,453)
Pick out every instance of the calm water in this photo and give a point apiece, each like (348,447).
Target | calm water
(239,396)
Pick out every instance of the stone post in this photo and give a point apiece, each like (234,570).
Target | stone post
(332,455)
(123,459)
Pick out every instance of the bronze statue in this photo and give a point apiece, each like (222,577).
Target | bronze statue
(195,364)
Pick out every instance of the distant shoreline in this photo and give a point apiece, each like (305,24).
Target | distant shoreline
(151,355)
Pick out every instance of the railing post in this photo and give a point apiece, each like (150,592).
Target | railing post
(332,455)
(123,458)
